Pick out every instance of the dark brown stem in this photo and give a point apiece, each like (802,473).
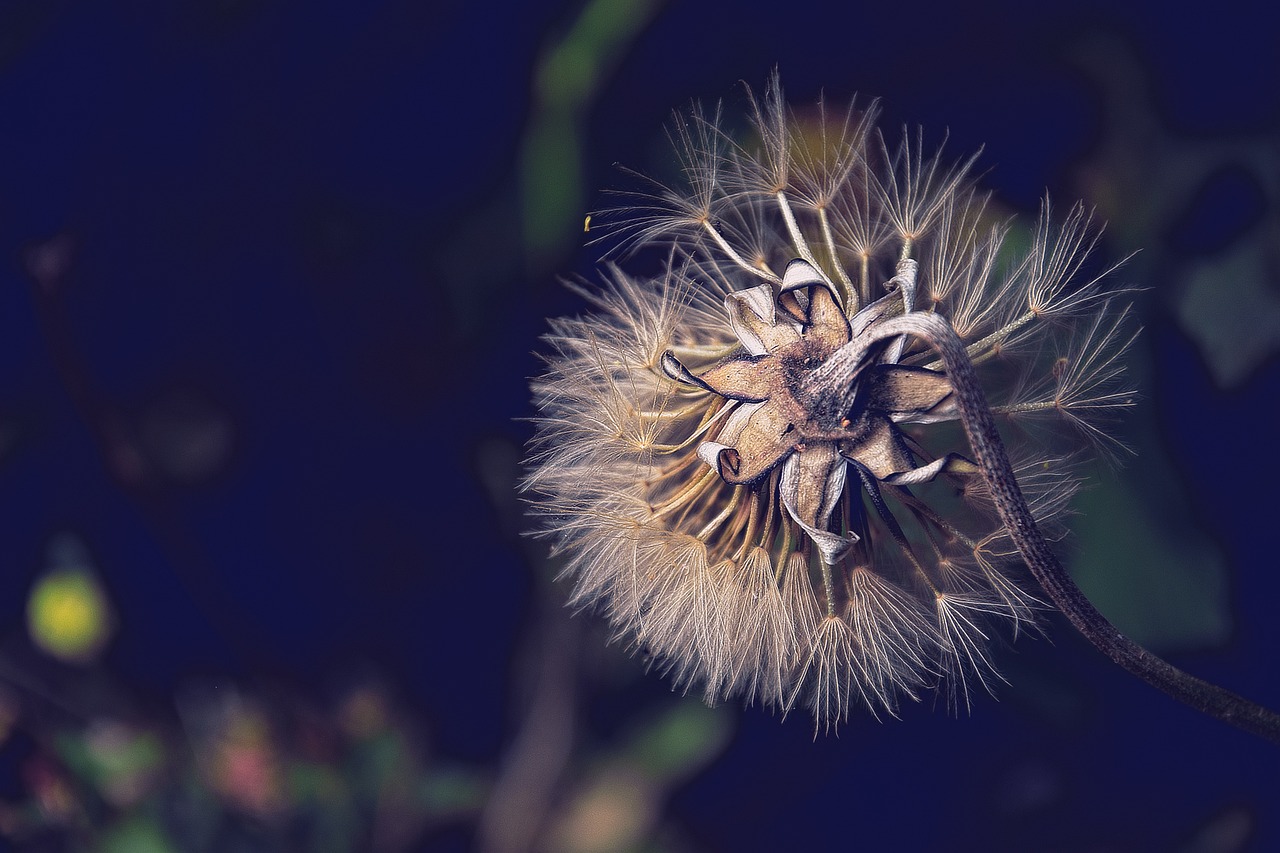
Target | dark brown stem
(980,427)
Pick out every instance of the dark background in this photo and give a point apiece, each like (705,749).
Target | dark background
(300,256)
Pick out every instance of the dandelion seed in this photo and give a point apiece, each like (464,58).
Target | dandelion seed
(746,462)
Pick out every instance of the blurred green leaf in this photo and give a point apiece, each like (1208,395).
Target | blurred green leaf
(1230,308)
(451,791)
(137,835)
(1163,586)
(690,735)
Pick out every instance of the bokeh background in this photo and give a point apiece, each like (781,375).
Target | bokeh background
(271,278)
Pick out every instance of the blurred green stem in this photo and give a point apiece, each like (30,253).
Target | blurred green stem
(565,83)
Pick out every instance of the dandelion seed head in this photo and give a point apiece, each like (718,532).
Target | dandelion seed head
(757,486)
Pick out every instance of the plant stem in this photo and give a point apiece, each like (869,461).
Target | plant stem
(980,427)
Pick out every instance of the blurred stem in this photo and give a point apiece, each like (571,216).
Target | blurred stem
(565,82)
(979,426)
(522,794)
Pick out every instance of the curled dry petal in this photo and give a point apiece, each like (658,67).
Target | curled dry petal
(811,484)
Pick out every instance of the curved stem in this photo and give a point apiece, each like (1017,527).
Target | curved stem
(980,427)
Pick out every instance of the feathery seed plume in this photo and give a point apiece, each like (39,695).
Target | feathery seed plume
(751,464)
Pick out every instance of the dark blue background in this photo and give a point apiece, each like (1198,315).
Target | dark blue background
(305,216)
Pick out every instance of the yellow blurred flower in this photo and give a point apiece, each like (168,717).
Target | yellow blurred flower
(68,615)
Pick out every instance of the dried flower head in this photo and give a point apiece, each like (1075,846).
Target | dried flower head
(751,461)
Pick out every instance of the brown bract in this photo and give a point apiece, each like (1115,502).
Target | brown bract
(815,397)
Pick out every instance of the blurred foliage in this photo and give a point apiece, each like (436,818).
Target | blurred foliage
(234,768)
(238,772)
(247,772)
(243,770)
(1142,555)
(565,82)
(617,804)
(1218,271)
(1168,591)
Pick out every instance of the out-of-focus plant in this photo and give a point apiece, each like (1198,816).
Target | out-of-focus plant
(1146,176)
(237,770)
(272,770)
